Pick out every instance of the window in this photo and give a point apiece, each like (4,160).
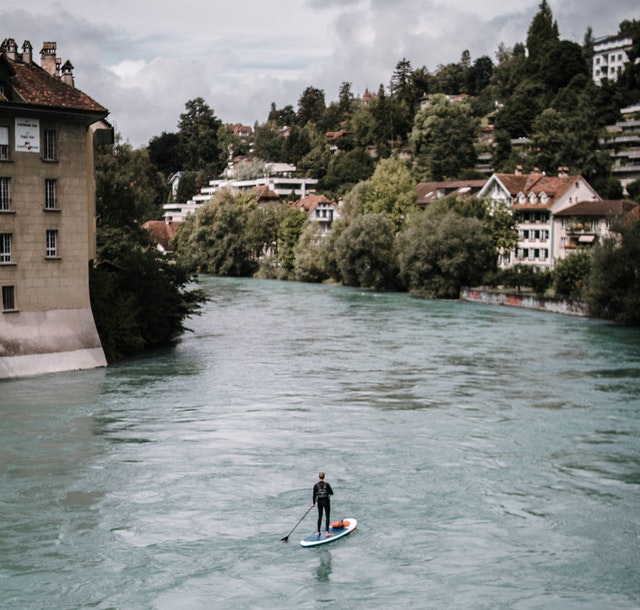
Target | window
(49,145)
(5,194)
(51,250)
(5,247)
(8,298)
(4,143)
(50,202)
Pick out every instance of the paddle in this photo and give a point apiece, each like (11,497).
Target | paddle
(297,524)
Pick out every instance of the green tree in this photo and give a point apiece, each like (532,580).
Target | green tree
(268,142)
(443,139)
(345,100)
(510,71)
(364,252)
(633,188)
(290,229)
(345,170)
(570,137)
(283,116)
(311,106)
(391,191)
(479,75)
(613,289)
(571,273)
(309,256)
(541,36)
(588,44)
(521,108)
(315,161)
(440,253)
(214,240)
(164,153)
(198,128)
(129,189)
(138,297)
(402,85)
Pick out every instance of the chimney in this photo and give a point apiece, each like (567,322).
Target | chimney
(11,49)
(563,171)
(27,52)
(67,74)
(48,60)
(518,170)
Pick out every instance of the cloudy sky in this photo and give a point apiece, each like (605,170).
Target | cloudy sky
(144,59)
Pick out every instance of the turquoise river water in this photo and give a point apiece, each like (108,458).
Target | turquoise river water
(491,457)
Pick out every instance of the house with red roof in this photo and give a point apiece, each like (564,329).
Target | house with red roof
(161,232)
(321,210)
(536,199)
(48,129)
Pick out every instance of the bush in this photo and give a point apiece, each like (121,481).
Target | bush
(364,253)
(439,255)
(613,290)
(570,274)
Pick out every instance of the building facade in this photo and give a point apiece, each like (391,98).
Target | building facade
(623,143)
(610,56)
(535,200)
(47,214)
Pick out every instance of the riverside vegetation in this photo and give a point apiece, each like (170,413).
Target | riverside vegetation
(540,89)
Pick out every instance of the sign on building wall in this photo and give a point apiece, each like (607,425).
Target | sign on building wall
(27,135)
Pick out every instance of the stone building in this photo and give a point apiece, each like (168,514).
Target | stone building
(47,214)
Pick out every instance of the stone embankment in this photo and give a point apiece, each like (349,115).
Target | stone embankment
(526,300)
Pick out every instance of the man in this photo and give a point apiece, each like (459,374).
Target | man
(321,496)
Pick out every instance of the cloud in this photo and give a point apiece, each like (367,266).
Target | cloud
(144,61)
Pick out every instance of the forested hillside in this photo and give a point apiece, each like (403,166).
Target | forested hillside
(540,90)
(533,105)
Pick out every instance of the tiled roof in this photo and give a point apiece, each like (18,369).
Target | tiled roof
(161,232)
(311,202)
(429,191)
(551,186)
(610,207)
(264,193)
(336,135)
(29,84)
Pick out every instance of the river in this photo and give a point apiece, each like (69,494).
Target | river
(491,456)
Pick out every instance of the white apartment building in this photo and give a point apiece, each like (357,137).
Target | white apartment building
(610,56)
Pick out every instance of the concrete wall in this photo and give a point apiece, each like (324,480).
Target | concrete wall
(524,300)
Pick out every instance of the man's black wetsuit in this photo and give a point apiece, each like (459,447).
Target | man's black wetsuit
(321,496)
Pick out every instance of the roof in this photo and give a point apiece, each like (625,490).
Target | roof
(336,135)
(537,184)
(263,193)
(161,231)
(311,202)
(429,191)
(608,207)
(31,85)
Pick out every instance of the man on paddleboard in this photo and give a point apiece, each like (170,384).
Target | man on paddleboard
(321,496)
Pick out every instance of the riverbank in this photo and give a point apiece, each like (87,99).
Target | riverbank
(525,300)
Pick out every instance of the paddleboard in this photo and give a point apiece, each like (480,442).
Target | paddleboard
(337,529)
